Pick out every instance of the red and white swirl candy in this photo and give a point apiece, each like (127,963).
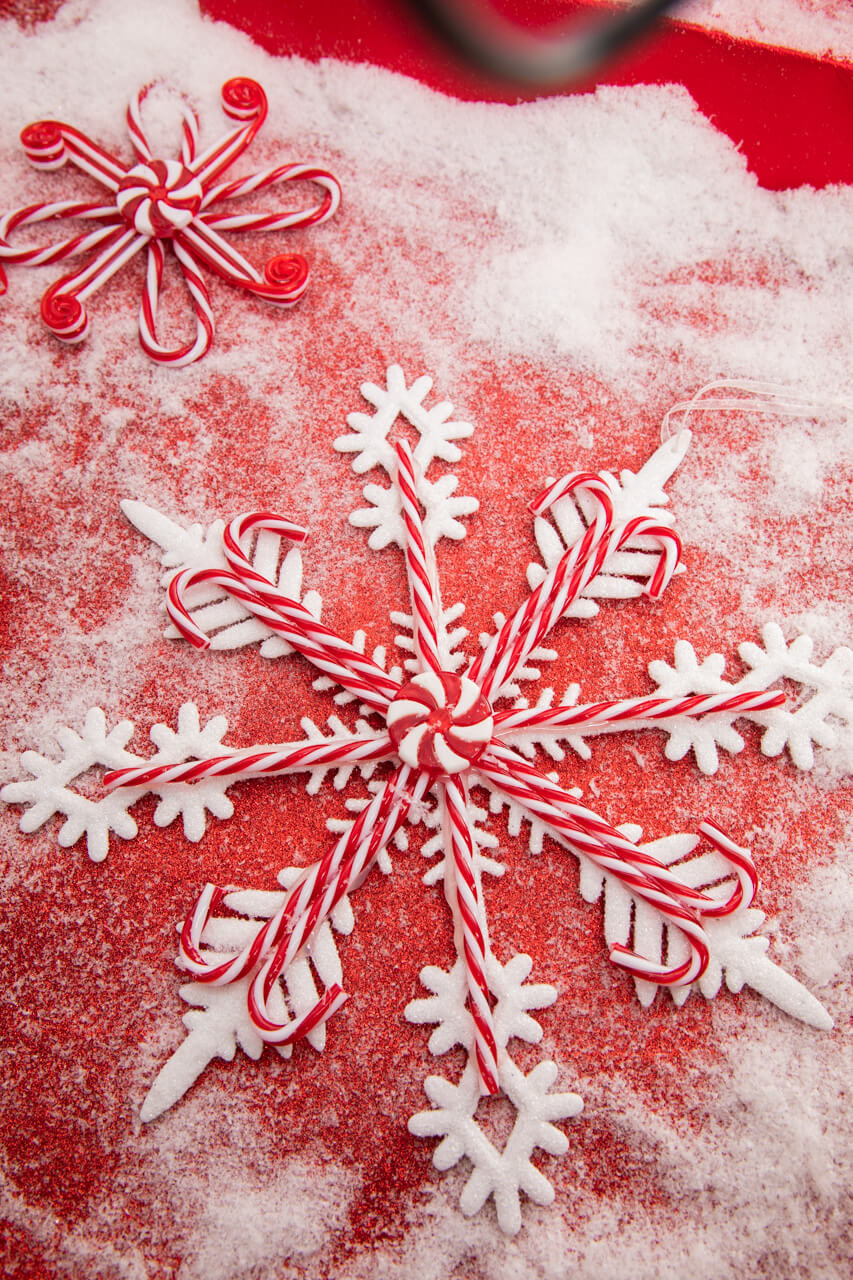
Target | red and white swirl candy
(159,197)
(440,722)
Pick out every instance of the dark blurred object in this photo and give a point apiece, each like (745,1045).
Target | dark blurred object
(558,58)
(790,114)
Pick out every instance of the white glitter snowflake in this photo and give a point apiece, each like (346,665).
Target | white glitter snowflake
(445,726)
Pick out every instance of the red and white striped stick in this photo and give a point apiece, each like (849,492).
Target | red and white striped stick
(617,712)
(594,828)
(271,177)
(285,276)
(40,255)
(139,140)
(296,1029)
(741,860)
(50,144)
(568,578)
(255,762)
(379,687)
(291,620)
(307,905)
(345,863)
(420,564)
(491,668)
(587,834)
(242,99)
(463,897)
(62,307)
(383,817)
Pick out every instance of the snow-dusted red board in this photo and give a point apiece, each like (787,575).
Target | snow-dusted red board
(559,320)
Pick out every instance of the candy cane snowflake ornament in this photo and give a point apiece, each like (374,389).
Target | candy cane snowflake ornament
(155,203)
(430,738)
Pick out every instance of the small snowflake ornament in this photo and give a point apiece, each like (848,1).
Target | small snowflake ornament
(154,203)
(430,739)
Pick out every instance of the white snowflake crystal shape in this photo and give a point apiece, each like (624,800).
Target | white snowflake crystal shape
(676,914)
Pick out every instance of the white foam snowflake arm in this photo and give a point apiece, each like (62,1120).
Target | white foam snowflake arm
(219,1021)
(437,433)
(55,786)
(453,1117)
(222,616)
(625,572)
(822,713)
(825,719)
(437,430)
(48,791)
(501,1174)
(737,953)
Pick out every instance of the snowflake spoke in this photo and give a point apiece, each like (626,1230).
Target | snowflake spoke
(420,567)
(273,221)
(575,570)
(285,276)
(62,307)
(629,713)
(324,648)
(190,351)
(254,762)
(50,144)
(464,896)
(590,836)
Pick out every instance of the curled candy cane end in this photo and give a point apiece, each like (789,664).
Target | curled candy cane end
(242,98)
(64,315)
(289,273)
(43,142)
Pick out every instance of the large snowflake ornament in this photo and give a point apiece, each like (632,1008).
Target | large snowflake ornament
(430,738)
(154,203)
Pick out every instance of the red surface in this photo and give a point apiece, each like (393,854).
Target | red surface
(790,114)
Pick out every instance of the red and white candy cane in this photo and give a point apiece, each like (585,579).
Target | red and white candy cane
(680,905)
(464,899)
(362,676)
(194,349)
(296,1029)
(385,814)
(156,202)
(618,711)
(62,307)
(596,832)
(420,564)
(740,858)
(496,663)
(568,578)
(306,906)
(254,762)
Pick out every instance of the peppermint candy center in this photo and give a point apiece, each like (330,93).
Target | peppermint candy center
(159,197)
(440,721)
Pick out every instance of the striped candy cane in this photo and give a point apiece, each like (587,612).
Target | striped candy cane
(494,666)
(587,834)
(254,762)
(463,897)
(420,564)
(617,712)
(291,620)
(568,578)
(379,688)
(307,905)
